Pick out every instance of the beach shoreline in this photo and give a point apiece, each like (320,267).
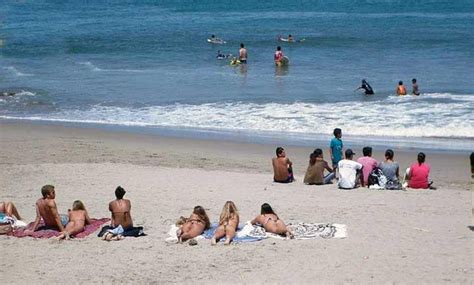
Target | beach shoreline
(393,236)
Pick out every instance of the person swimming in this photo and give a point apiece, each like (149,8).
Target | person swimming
(367,88)
(221,55)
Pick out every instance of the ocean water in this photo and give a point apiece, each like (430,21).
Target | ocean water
(149,66)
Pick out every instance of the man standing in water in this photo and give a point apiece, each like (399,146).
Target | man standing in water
(278,56)
(243,54)
(401,90)
(414,85)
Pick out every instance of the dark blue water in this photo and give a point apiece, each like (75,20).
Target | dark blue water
(149,64)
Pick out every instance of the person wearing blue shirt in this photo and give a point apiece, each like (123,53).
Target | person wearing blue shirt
(335,148)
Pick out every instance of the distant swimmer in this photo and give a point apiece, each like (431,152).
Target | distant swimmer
(289,39)
(221,56)
(367,88)
(242,54)
(214,40)
(278,56)
(401,90)
(415,90)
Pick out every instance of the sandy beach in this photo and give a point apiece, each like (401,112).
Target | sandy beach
(393,236)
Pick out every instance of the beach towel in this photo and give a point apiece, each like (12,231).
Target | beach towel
(45,232)
(241,235)
(302,231)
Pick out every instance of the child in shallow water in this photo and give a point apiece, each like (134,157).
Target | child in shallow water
(78,219)
(228,223)
(270,221)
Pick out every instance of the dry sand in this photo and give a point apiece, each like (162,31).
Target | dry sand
(393,236)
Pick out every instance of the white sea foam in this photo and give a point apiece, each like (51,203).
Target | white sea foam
(407,116)
(98,69)
(16,72)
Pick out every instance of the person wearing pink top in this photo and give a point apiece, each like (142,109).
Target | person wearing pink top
(418,174)
(368,162)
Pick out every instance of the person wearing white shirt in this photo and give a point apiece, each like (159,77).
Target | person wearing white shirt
(350,172)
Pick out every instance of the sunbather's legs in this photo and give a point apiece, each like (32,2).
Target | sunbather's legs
(229,234)
(218,234)
(9,209)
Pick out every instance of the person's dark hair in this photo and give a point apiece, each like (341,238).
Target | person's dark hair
(267,209)
(279,150)
(337,132)
(367,151)
(289,35)
(421,158)
(213,36)
(198,210)
(389,154)
(413,80)
(241,45)
(312,158)
(46,189)
(364,81)
(119,192)
(278,47)
(318,152)
(400,82)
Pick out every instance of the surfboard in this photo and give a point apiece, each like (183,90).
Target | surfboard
(216,41)
(285,61)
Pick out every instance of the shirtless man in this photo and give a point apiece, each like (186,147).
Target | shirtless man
(120,209)
(401,90)
(415,89)
(282,171)
(242,54)
(46,209)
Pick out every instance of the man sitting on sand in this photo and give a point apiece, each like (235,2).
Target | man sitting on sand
(282,171)
(350,172)
(121,224)
(120,209)
(46,209)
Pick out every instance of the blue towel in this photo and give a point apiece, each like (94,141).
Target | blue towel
(210,232)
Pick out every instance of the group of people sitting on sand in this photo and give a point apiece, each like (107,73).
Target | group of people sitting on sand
(198,222)
(350,174)
(77,218)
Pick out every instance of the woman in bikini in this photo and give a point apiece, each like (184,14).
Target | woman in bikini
(9,209)
(228,223)
(193,226)
(78,219)
(270,221)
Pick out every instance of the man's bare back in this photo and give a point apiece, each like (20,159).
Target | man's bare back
(280,168)
(120,209)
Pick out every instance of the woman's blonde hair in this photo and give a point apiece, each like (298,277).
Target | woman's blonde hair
(78,205)
(228,211)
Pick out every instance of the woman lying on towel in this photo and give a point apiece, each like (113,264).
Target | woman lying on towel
(9,209)
(78,219)
(228,223)
(270,221)
(193,226)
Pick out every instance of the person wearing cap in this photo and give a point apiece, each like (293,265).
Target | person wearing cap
(350,172)
(120,209)
(368,162)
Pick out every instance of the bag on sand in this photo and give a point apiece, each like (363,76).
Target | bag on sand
(376,177)
(5,229)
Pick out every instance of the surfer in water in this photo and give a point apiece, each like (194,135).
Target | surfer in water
(367,88)
(221,55)
(278,56)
